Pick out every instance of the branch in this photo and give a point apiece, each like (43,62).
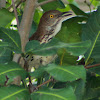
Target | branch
(50,80)
(11,5)
(44,2)
(20,2)
(26,21)
(25,25)
(16,15)
(91,66)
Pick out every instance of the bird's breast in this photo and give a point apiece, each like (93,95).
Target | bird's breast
(57,28)
(51,31)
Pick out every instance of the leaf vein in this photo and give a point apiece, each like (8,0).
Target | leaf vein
(52,95)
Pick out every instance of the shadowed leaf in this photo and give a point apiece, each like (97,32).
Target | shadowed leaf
(91,31)
(11,70)
(5,17)
(14,93)
(52,5)
(54,94)
(66,73)
(78,11)
(12,37)
(52,47)
(5,55)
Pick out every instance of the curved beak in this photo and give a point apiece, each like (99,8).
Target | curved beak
(64,14)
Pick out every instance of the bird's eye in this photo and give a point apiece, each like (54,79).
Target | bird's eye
(51,16)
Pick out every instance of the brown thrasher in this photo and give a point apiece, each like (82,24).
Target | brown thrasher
(49,26)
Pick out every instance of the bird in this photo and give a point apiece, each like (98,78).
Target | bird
(49,25)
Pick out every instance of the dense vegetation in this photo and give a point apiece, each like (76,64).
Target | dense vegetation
(67,78)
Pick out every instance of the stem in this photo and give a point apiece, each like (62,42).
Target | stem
(11,5)
(62,57)
(20,2)
(89,5)
(91,66)
(50,80)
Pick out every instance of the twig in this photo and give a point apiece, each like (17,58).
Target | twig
(15,12)
(50,80)
(91,66)
(88,4)
(5,84)
(17,4)
(32,88)
(44,2)
(20,3)
(12,5)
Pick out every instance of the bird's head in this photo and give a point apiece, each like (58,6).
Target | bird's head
(54,16)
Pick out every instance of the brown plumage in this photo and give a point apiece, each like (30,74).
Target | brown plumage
(49,25)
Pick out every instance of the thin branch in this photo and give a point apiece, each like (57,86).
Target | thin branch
(25,25)
(44,2)
(17,4)
(32,88)
(50,80)
(91,66)
(16,15)
(12,5)
(20,3)
(88,4)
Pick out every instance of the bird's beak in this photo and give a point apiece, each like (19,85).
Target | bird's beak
(65,14)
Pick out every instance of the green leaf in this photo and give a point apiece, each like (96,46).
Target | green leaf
(91,31)
(14,93)
(66,58)
(38,72)
(52,5)
(11,70)
(37,15)
(95,3)
(67,8)
(95,69)
(43,49)
(92,94)
(51,48)
(66,73)
(77,11)
(33,29)
(80,48)
(12,37)
(77,49)
(78,87)
(93,81)
(92,87)
(5,55)
(54,94)
(4,44)
(5,17)
(73,2)
(70,33)
(71,29)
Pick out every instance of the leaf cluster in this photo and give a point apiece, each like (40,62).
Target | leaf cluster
(67,77)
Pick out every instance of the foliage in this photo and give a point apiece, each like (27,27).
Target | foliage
(67,77)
